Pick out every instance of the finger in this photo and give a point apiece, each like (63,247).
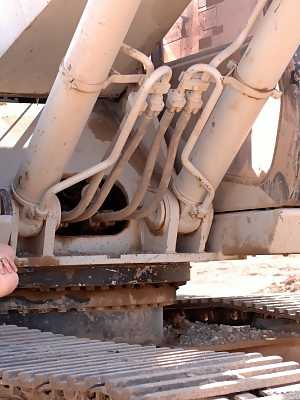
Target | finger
(3,266)
(13,265)
(7,266)
(2,271)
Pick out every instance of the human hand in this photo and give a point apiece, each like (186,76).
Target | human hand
(8,271)
(7,263)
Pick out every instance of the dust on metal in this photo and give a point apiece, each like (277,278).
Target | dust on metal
(281,305)
(36,364)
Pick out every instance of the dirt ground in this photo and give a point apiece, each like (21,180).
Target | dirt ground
(255,275)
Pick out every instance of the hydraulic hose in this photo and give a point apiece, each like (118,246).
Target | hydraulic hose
(180,127)
(118,168)
(147,174)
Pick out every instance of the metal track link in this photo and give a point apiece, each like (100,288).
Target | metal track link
(281,305)
(87,299)
(42,365)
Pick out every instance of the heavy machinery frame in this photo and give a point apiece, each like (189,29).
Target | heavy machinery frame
(136,167)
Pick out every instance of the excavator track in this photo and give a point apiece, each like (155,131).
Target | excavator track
(42,365)
(280,305)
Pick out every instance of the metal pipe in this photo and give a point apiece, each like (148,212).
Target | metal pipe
(238,42)
(176,103)
(124,132)
(88,61)
(125,129)
(275,40)
(131,78)
(147,174)
(123,79)
(87,194)
(140,57)
(180,127)
(205,114)
(118,168)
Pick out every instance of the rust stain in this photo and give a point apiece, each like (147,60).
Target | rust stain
(143,270)
(46,261)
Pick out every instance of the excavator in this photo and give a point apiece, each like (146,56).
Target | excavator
(138,137)
(152,134)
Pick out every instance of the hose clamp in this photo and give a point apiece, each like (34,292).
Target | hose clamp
(32,210)
(249,91)
(78,85)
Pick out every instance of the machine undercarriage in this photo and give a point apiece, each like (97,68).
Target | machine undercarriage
(135,167)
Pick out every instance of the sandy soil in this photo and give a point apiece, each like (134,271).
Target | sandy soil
(255,275)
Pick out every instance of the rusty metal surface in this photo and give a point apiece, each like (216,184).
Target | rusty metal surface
(80,299)
(287,392)
(5,203)
(293,395)
(139,325)
(288,347)
(103,275)
(47,366)
(281,305)
(101,302)
(272,344)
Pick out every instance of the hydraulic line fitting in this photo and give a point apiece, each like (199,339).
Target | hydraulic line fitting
(176,100)
(154,100)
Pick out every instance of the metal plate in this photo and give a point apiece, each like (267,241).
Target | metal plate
(101,275)
(44,365)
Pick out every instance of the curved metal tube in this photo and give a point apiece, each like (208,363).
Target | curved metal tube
(148,66)
(147,174)
(124,131)
(132,78)
(238,42)
(88,192)
(188,148)
(118,168)
(140,57)
(181,124)
(167,172)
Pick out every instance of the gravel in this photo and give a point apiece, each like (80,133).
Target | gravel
(200,333)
